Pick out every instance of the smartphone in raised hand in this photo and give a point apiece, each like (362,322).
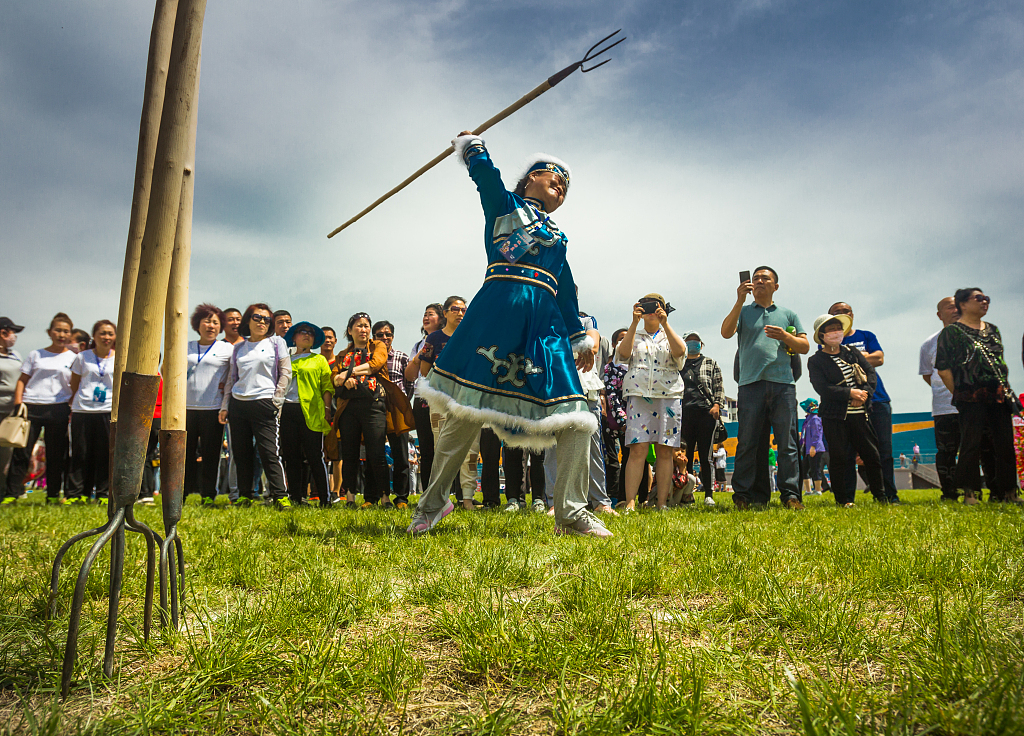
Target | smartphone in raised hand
(744,277)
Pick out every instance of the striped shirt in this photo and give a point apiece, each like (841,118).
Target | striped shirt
(848,378)
(397,362)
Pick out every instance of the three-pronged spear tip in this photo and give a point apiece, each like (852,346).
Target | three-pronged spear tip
(592,53)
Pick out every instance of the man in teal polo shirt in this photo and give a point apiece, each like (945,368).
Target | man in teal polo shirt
(767,334)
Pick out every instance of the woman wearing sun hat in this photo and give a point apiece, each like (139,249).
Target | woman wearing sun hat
(306,414)
(845,381)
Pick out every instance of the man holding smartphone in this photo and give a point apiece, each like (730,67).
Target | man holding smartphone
(767,334)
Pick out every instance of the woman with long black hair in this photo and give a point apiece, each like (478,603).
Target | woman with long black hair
(369,407)
(253,396)
(92,390)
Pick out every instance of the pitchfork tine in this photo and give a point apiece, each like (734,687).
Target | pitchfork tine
(591,54)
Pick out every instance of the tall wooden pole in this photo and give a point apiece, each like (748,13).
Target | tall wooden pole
(176,312)
(149,129)
(165,198)
(172,426)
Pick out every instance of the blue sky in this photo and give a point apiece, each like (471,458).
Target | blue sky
(871,152)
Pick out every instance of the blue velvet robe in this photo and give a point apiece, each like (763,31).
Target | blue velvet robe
(510,362)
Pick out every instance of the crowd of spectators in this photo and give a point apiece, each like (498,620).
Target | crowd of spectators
(276,412)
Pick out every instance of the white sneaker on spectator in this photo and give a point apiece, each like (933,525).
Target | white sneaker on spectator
(538,505)
(514,505)
(551,511)
(708,501)
(422,522)
(587,525)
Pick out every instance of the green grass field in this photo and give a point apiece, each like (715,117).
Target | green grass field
(891,620)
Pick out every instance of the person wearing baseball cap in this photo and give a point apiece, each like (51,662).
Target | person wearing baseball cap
(703,399)
(7,325)
(845,381)
(10,371)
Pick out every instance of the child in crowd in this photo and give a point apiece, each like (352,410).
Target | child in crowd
(683,482)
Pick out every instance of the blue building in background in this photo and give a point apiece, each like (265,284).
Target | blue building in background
(907,429)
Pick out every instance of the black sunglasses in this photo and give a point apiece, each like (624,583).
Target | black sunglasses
(982,298)
(303,331)
(382,334)
(260,318)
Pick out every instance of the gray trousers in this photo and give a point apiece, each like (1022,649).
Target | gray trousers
(457,437)
(597,493)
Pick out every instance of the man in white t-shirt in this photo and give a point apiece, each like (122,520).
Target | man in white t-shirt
(944,414)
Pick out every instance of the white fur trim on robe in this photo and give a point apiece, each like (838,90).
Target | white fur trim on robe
(462,143)
(536,435)
(583,343)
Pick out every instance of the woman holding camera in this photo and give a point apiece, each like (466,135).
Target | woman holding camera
(653,388)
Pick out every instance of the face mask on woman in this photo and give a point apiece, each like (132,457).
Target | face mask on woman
(832,339)
(693,346)
(10,339)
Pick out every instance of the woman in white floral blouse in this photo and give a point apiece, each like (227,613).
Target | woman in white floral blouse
(653,389)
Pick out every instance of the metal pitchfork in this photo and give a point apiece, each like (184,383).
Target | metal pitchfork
(592,53)
(138,395)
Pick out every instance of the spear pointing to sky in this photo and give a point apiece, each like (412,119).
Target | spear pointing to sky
(520,103)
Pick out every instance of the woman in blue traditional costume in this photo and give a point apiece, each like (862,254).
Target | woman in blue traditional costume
(510,365)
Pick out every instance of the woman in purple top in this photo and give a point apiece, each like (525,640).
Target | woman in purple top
(813,446)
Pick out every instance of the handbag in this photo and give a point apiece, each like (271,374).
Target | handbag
(860,376)
(721,434)
(1012,400)
(14,429)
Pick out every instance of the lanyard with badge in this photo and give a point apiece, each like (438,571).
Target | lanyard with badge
(199,359)
(99,393)
(519,242)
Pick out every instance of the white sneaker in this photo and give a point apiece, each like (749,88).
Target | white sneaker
(423,522)
(587,525)
(708,501)
(514,505)
(538,506)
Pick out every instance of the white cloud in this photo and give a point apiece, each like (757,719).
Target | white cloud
(884,172)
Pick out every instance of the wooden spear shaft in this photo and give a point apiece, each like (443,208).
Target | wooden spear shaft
(149,129)
(517,105)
